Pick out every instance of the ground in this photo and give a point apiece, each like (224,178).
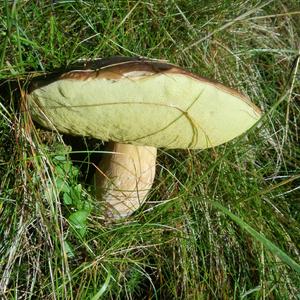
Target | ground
(219,224)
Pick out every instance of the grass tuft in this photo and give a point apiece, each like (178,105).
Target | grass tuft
(220,223)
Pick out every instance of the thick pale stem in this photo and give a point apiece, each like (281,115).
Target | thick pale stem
(125,177)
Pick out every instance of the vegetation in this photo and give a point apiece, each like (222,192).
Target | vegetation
(222,223)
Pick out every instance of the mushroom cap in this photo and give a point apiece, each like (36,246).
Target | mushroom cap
(141,102)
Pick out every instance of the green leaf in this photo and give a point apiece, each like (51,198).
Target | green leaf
(62,185)
(74,171)
(67,199)
(78,221)
(69,249)
(60,158)
(60,171)
(75,196)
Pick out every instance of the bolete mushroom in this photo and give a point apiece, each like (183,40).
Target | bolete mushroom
(138,105)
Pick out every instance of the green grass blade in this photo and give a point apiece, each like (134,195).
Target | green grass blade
(259,237)
(103,288)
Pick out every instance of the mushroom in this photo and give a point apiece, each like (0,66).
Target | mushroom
(138,105)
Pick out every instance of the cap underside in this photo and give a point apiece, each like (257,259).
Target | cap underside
(160,107)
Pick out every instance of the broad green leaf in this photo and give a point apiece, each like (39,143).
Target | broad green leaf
(78,221)
(67,199)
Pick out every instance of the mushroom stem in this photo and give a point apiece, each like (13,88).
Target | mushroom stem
(124,178)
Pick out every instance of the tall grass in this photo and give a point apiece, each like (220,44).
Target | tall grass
(219,224)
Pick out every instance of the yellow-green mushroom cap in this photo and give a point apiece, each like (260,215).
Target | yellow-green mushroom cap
(141,102)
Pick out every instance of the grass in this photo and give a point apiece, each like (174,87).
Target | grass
(220,224)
